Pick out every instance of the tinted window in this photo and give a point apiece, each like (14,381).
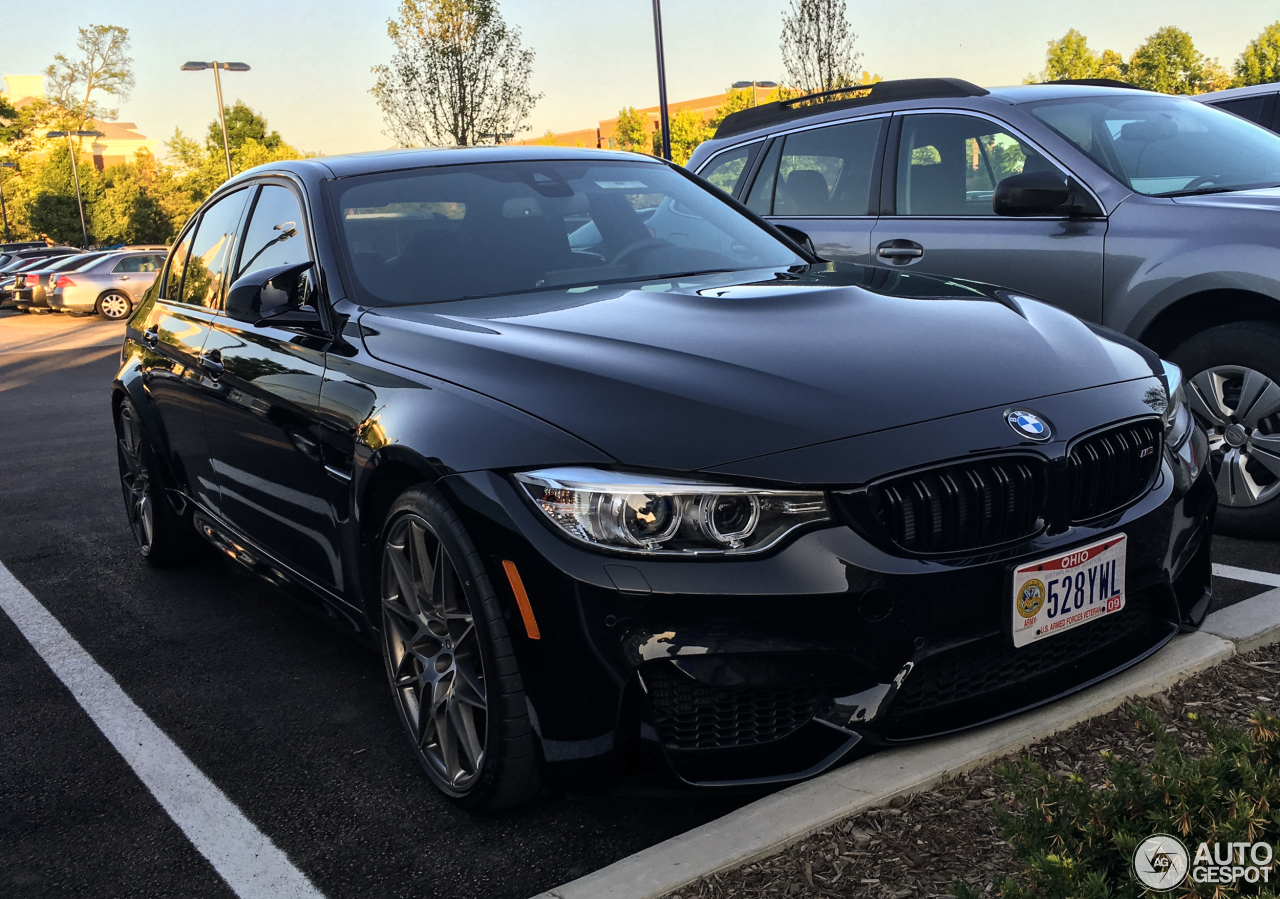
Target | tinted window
(1163,146)
(478,230)
(951,164)
(1250,108)
(827,171)
(760,200)
(177,265)
(277,232)
(728,169)
(211,250)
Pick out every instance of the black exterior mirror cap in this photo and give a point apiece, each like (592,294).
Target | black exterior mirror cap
(245,297)
(1042,193)
(799,238)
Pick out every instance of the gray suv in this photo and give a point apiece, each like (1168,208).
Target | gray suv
(1154,215)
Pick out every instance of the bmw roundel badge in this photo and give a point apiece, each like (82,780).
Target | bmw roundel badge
(1029,425)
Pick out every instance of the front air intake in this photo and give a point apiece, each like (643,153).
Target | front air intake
(1108,471)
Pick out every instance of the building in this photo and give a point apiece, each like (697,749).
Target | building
(119,140)
(604,135)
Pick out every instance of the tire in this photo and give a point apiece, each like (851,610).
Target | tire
(444,641)
(113,306)
(1232,377)
(163,536)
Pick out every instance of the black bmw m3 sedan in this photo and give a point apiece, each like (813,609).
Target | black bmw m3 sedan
(620,478)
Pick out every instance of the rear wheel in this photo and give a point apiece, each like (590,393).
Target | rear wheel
(1232,375)
(450,661)
(113,306)
(163,536)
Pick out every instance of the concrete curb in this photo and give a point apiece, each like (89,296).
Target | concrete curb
(771,824)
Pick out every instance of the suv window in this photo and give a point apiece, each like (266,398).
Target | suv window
(211,250)
(729,168)
(1251,108)
(827,171)
(950,164)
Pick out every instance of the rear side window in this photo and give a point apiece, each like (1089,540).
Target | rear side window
(1255,109)
(951,164)
(211,250)
(131,264)
(827,171)
(177,266)
(728,170)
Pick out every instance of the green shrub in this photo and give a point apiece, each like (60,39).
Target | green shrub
(1076,841)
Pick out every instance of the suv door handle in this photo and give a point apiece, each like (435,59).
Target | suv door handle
(900,252)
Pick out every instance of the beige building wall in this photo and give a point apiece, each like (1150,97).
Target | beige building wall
(119,141)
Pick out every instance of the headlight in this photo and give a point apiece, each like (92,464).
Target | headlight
(1177,418)
(639,513)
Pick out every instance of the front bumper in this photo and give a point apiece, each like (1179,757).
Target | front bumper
(773,669)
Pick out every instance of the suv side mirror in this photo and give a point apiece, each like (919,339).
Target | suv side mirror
(271,296)
(1032,193)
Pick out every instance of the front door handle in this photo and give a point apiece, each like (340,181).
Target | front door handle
(900,252)
(211,362)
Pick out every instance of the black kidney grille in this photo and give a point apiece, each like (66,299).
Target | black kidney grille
(689,714)
(962,507)
(1108,471)
(969,673)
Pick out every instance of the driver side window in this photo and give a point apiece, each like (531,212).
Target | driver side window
(276,235)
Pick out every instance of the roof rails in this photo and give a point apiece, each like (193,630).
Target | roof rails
(1098,82)
(880,92)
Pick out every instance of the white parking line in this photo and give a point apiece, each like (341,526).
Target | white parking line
(1265,578)
(246,859)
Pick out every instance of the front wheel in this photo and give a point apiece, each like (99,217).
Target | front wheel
(449,659)
(1232,376)
(114,306)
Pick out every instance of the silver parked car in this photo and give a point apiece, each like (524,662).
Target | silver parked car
(111,287)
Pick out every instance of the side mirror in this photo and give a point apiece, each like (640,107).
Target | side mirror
(1032,193)
(271,296)
(798,237)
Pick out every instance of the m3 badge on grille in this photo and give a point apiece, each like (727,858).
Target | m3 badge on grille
(1029,425)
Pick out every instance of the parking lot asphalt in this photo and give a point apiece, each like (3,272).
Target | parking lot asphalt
(289,718)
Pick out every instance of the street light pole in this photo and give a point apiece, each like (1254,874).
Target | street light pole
(217,86)
(755,97)
(3,210)
(662,81)
(75,173)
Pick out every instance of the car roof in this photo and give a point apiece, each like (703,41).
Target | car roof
(350,164)
(1233,92)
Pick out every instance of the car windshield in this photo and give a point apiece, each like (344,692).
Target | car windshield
(1166,146)
(447,233)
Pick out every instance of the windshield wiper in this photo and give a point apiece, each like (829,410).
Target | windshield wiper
(1201,191)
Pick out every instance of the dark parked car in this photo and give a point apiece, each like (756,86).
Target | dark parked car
(11,260)
(1256,103)
(1154,215)
(680,498)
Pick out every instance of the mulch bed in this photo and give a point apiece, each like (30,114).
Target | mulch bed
(920,846)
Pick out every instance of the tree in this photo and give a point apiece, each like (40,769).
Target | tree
(104,67)
(1170,63)
(817,46)
(1070,57)
(1260,62)
(688,129)
(43,198)
(10,129)
(242,124)
(458,74)
(631,130)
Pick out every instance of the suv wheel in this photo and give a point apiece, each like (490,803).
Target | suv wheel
(114,306)
(1232,375)
(450,661)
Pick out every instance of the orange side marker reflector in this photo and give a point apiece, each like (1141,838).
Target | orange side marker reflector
(522,600)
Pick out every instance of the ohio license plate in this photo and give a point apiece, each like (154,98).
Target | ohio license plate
(1056,594)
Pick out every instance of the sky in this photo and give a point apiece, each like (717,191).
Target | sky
(310,59)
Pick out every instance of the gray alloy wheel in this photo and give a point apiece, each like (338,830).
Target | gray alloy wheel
(433,655)
(114,306)
(1239,408)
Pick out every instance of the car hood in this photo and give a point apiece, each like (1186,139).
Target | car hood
(719,368)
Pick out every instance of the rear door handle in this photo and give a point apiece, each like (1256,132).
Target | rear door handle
(900,252)
(152,335)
